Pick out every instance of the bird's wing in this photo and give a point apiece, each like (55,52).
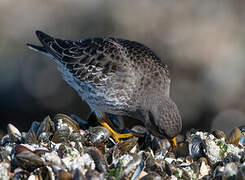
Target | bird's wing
(89,60)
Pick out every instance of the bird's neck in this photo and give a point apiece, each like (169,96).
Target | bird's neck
(153,100)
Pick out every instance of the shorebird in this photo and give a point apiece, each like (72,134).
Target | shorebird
(117,76)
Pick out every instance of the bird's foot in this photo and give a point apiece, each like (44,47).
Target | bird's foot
(117,136)
(173,141)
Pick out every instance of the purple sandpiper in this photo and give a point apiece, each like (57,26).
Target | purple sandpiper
(117,76)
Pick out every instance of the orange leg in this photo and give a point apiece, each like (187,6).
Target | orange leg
(116,136)
(173,141)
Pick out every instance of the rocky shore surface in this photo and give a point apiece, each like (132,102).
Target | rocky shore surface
(67,147)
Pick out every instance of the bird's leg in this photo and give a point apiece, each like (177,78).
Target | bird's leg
(173,141)
(116,136)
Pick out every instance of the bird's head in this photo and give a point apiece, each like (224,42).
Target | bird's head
(163,117)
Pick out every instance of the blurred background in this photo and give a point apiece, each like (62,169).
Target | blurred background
(201,41)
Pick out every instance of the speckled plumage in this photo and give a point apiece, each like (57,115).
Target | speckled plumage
(117,76)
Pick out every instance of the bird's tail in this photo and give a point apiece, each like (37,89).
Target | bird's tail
(41,49)
(54,47)
(37,48)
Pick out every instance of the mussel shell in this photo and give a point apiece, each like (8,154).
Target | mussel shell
(14,133)
(93,175)
(62,151)
(241,172)
(191,132)
(97,134)
(160,147)
(61,135)
(197,147)
(195,169)
(45,172)
(234,136)
(78,146)
(242,129)
(219,134)
(242,138)
(5,139)
(138,170)
(5,156)
(47,125)
(29,161)
(64,175)
(204,167)
(230,170)
(21,175)
(144,141)
(242,141)
(216,169)
(44,137)
(78,175)
(151,176)
(31,136)
(181,150)
(156,146)
(99,159)
(231,158)
(150,162)
(19,148)
(127,145)
(130,165)
(112,155)
(77,137)
(66,120)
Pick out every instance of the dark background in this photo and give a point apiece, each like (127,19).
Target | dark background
(201,41)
